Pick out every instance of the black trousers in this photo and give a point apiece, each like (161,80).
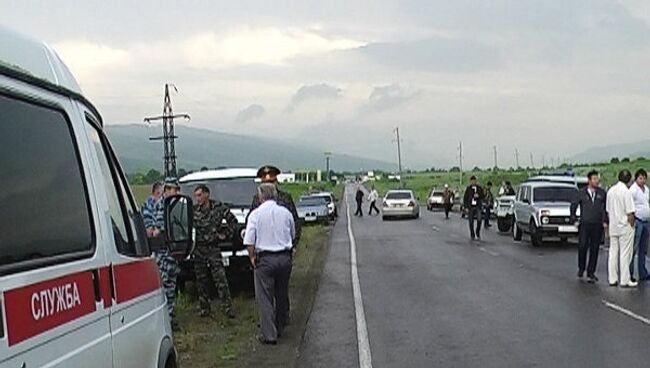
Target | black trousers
(447,209)
(373,206)
(474,214)
(488,210)
(359,211)
(589,242)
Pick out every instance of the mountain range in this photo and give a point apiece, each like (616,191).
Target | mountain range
(197,148)
(606,152)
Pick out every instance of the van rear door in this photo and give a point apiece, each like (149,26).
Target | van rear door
(52,270)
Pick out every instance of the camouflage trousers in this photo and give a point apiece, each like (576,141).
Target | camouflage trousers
(168,273)
(207,262)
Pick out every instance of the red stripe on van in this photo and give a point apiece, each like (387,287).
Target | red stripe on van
(37,308)
(105,286)
(135,279)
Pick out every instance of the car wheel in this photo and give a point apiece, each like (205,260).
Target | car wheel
(383,218)
(516,233)
(504,224)
(535,236)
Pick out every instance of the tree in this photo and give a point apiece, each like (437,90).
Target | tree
(640,158)
(614,160)
(625,159)
(152,176)
(454,169)
(182,172)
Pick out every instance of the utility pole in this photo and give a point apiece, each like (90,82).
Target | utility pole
(532,163)
(496,166)
(328,155)
(517,158)
(543,161)
(460,162)
(168,136)
(399,155)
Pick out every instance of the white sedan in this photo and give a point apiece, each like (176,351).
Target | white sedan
(400,203)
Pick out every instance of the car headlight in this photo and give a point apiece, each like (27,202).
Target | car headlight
(545,212)
(545,220)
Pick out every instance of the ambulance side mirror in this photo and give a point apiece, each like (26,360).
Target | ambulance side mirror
(178,225)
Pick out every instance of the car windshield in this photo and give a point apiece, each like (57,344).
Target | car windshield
(326,198)
(398,195)
(311,201)
(236,192)
(436,193)
(554,194)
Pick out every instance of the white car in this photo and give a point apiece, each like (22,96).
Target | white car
(400,203)
(435,200)
(81,288)
(331,203)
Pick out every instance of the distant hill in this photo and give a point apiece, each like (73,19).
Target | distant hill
(605,153)
(196,148)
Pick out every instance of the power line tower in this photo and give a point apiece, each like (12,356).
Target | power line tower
(168,136)
(460,162)
(328,155)
(399,155)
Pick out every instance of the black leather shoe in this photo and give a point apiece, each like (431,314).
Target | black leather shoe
(581,274)
(264,341)
(592,278)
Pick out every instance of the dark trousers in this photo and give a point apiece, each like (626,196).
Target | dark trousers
(272,274)
(474,214)
(359,211)
(447,207)
(488,211)
(373,206)
(589,242)
(641,232)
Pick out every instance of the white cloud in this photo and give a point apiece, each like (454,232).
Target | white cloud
(84,57)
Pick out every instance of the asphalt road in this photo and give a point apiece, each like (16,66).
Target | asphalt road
(432,298)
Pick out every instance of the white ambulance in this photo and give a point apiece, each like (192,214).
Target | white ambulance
(78,285)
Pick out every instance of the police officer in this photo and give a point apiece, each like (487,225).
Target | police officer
(269,174)
(208,218)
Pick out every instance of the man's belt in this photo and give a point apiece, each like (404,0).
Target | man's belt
(207,244)
(264,253)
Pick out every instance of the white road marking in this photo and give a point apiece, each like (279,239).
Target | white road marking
(484,250)
(365,358)
(626,312)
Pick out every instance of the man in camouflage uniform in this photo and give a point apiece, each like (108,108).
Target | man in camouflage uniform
(153,213)
(269,174)
(208,219)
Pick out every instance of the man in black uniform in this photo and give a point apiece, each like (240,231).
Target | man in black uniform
(473,201)
(592,201)
(359,198)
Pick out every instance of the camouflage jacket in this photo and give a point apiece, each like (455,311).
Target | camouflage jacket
(284,200)
(209,222)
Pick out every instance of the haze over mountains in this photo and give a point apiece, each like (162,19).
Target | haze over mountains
(606,152)
(196,148)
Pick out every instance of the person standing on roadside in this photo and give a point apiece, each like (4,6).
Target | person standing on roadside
(593,220)
(359,198)
(447,200)
(269,240)
(620,209)
(372,198)
(149,215)
(488,203)
(473,201)
(641,197)
(209,215)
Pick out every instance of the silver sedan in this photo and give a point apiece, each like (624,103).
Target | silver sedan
(400,203)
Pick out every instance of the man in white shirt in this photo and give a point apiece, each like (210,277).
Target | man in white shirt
(641,197)
(372,198)
(620,209)
(269,237)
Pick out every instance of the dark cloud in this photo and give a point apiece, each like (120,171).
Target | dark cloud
(313,92)
(252,112)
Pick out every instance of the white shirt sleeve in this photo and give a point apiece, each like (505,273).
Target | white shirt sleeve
(629,203)
(250,237)
(292,225)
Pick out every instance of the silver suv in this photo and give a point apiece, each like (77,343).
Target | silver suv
(542,209)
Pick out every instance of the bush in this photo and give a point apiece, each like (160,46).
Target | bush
(614,160)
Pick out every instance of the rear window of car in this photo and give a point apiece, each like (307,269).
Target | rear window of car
(312,201)
(398,195)
(44,208)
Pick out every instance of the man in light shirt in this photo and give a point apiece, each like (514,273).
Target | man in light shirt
(620,209)
(269,237)
(641,197)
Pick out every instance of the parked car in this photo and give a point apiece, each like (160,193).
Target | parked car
(504,211)
(331,203)
(78,284)
(236,188)
(435,200)
(313,209)
(400,203)
(542,209)
(579,181)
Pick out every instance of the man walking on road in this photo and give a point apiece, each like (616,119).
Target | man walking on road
(208,218)
(620,208)
(593,219)
(473,201)
(269,239)
(447,200)
(641,197)
(372,198)
(359,198)
(488,203)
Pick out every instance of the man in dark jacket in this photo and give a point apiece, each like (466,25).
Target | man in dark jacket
(593,220)
(359,198)
(473,201)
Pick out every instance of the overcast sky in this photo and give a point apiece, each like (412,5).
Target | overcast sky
(550,77)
